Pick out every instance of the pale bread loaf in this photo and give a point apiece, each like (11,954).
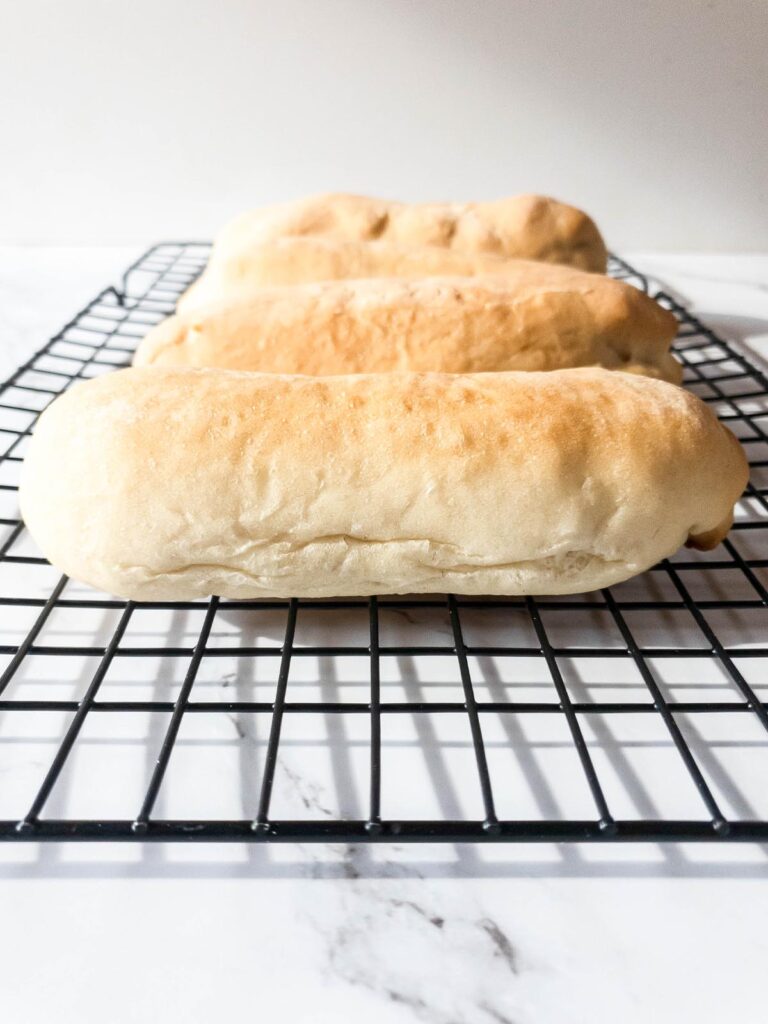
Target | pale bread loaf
(300,260)
(158,484)
(538,317)
(526,226)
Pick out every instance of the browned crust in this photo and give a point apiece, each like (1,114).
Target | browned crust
(537,317)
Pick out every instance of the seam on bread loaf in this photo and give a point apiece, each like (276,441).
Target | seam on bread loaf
(474,578)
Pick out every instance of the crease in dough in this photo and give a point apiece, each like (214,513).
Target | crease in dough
(431,579)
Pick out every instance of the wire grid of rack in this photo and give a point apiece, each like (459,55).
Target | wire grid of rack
(103,336)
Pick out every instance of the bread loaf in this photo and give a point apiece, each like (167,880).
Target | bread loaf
(538,317)
(528,226)
(289,261)
(158,484)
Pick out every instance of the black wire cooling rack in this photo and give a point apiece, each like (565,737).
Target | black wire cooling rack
(631,714)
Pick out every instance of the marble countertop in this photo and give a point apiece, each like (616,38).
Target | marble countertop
(517,934)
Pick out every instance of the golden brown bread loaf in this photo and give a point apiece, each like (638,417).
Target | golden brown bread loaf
(161,484)
(289,261)
(527,226)
(538,317)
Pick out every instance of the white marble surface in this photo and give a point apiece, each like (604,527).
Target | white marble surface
(446,935)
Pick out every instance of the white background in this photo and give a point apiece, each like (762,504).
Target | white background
(129,122)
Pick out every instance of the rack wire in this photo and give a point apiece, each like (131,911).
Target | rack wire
(680,647)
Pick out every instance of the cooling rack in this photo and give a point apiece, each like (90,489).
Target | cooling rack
(632,714)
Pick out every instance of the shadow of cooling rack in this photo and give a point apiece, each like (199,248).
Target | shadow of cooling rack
(633,714)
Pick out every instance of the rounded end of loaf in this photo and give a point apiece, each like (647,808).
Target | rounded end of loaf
(709,540)
(548,230)
(165,344)
(592,251)
(731,472)
(580,239)
(643,331)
